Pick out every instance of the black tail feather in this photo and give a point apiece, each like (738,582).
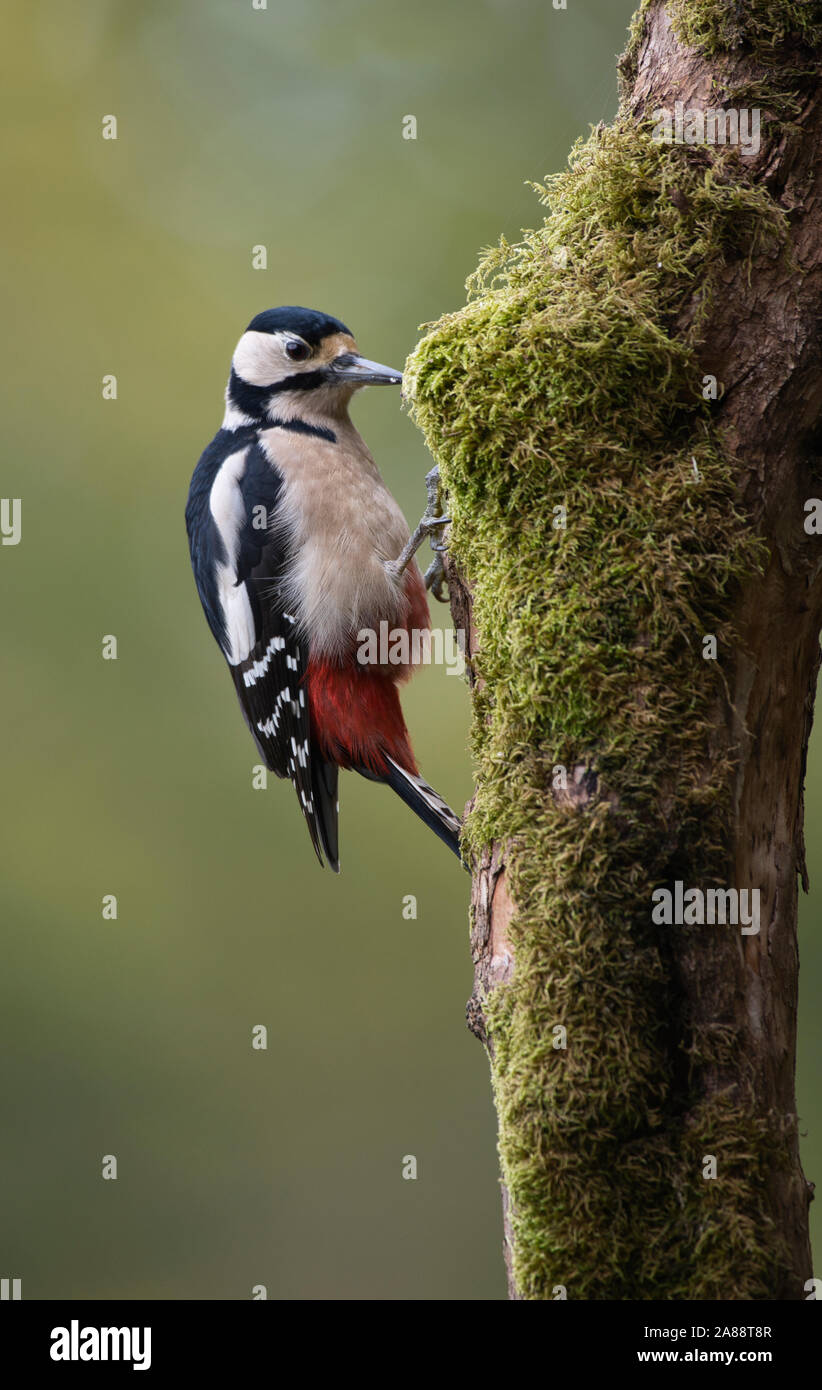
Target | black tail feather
(324,778)
(424,802)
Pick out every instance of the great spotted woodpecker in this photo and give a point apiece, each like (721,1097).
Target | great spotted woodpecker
(297,547)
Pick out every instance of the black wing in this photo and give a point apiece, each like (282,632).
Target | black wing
(270,679)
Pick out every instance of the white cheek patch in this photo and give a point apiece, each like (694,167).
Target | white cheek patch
(259,358)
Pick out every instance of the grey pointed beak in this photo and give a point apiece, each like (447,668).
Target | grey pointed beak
(351,367)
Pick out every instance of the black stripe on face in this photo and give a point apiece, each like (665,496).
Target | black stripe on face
(303,427)
(251,400)
(255,400)
(301,381)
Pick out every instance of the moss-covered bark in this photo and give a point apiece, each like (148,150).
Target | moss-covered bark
(608,516)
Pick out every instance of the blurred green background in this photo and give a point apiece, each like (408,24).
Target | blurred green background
(237,1167)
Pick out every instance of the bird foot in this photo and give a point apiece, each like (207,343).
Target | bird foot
(431,526)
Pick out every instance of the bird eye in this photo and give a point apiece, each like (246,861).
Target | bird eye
(297,351)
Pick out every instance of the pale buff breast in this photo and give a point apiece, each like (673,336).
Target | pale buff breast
(343,523)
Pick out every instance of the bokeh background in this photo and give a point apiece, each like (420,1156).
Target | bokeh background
(239,127)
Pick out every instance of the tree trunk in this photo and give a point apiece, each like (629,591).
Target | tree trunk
(643,666)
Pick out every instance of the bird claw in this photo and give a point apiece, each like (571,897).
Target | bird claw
(431,526)
(435,529)
(435,577)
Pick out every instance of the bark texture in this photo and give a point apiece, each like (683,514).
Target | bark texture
(763,343)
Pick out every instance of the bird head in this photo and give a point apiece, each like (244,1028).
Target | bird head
(294,363)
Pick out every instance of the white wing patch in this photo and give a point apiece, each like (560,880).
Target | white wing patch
(228,510)
(259,668)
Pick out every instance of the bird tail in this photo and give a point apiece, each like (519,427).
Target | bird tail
(423,800)
(324,778)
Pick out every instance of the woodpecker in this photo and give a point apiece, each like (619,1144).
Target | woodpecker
(297,546)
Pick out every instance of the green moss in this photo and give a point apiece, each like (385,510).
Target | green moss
(716,26)
(780,35)
(563,383)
